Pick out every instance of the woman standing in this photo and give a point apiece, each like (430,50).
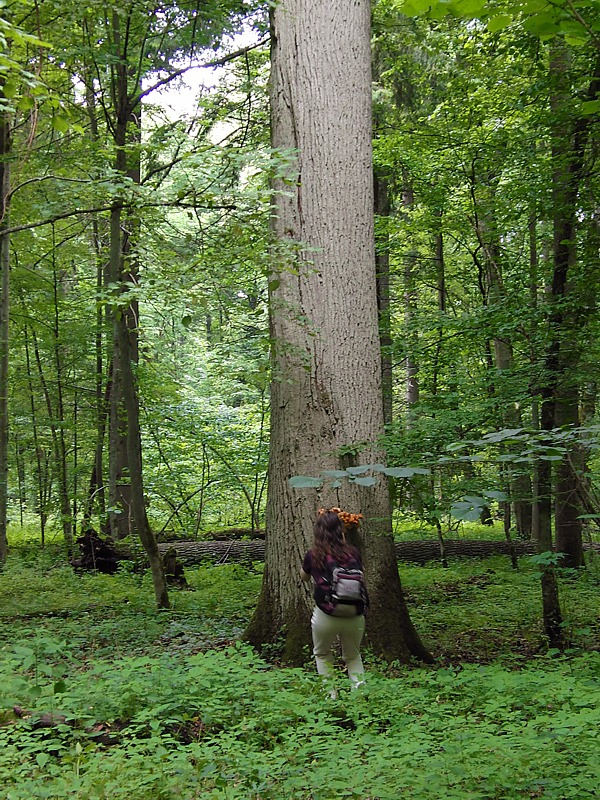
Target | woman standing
(331,617)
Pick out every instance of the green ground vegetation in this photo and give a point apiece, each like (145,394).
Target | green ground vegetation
(143,705)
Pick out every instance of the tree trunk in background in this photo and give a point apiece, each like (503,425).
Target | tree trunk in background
(382,266)
(130,398)
(410,304)
(127,134)
(500,356)
(326,404)
(100,235)
(119,469)
(440,274)
(5,147)
(125,322)
(66,496)
(534,356)
(569,143)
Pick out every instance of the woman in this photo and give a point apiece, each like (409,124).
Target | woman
(331,619)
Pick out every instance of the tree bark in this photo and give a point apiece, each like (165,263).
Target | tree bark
(422,551)
(122,523)
(410,306)
(326,409)
(122,313)
(382,265)
(5,148)
(569,143)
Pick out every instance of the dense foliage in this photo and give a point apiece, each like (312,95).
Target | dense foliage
(483,113)
(169,706)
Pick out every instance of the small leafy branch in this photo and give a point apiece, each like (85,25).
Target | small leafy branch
(355,475)
(470,507)
(466,509)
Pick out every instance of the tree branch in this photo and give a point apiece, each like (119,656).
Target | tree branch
(210,64)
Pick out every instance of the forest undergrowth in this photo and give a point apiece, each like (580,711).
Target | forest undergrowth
(103,697)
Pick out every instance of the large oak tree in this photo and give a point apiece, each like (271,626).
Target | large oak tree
(326,410)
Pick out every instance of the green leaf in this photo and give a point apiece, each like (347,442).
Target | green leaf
(42,759)
(467,8)
(493,495)
(305,482)
(405,472)
(416,8)
(499,23)
(358,470)
(60,123)
(454,446)
(60,687)
(9,89)
(542,25)
(500,436)
(546,559)
(26,103)
(590,107)
(468,509)
(576,41)
(465,512)
(365,481)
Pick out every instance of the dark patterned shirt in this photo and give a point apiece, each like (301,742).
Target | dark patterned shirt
(322,577)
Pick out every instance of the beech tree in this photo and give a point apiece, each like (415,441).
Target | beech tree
(326,401)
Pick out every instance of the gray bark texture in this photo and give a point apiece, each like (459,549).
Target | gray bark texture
(326,401)
(417,551)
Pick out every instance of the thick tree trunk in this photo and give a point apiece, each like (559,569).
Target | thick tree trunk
(326,409)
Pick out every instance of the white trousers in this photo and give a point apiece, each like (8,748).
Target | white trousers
(325,630)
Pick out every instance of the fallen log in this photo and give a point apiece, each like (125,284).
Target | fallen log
(417,551)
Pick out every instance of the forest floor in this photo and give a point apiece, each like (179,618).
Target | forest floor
(116,700)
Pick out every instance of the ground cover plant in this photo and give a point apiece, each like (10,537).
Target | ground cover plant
(115,700)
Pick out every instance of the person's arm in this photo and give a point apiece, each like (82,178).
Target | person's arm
(306,567)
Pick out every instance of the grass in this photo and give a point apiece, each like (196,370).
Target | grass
(162,705)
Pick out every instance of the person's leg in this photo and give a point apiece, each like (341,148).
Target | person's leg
(351,634)
(324,630)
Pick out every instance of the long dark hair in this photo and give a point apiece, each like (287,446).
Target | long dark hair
(329,539)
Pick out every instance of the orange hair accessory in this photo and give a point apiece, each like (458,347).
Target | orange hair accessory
(346,517)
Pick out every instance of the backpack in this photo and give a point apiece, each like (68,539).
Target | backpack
(347,590)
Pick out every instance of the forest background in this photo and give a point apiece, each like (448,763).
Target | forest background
(136,268)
